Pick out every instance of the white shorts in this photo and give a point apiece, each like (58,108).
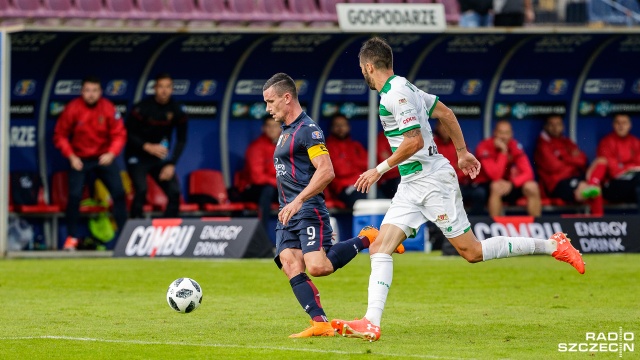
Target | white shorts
(435,198)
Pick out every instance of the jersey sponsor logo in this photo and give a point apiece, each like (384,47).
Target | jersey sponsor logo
(68,87)
(116,87)
(442,218)
(471,87)
(316,135)
(345,87)
(436,86)
(403,101)
(24,87)
(249,87)
(520,87)
(409,119)
(205,87)
(558,87)
(604,86)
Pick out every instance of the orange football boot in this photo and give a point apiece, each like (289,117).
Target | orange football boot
(372,233)
(316,329)
(566,252)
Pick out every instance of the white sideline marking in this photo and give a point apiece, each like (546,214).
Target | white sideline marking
(142,342)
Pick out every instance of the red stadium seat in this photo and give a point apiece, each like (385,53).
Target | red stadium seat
(451,10)
(60,194)
(157,200)
(211,183)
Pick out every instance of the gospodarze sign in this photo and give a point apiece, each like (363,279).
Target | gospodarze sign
(232,238)
(391,17)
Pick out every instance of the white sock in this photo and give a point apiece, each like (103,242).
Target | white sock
(379,284)
(499,247)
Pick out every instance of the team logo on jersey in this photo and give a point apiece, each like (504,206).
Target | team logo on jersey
(116,87)
(25,87)
(169,116)
(100,119)
(442,218)
(316,135)
(284,139)
(403,101)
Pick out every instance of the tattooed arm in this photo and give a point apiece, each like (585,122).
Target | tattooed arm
(411,144)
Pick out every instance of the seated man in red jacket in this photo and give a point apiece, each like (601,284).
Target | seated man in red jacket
(506,171)
(472,192)
(91,133)
(617,166)
(259,171)
(349,160)
(561,166)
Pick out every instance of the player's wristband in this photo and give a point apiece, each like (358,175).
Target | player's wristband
(383,167)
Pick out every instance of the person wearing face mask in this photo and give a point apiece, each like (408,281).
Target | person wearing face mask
(149,150)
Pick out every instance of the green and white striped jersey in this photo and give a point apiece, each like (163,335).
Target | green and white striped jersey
(404,107)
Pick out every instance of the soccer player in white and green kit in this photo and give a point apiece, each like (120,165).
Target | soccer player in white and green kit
(429,189)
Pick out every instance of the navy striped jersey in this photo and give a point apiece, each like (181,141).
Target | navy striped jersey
(299,142)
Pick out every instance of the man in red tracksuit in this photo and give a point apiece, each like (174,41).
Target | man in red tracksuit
(561,166)
(259,172)
(90,133)
(472,192)
(617,166)
(506,171)
(349,160)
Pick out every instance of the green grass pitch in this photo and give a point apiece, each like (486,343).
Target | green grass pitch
(438,308)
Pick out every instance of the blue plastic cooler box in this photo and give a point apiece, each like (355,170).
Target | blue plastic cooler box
(371,212)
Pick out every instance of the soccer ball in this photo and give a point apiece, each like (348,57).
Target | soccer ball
(184,295)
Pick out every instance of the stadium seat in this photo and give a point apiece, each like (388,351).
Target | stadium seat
(391,1)
(60,194)
(329,7)
(278,10)
(307,10)
(40,208)
(157,200)
(210,183)
(30,9)
(451,10)
(124,9)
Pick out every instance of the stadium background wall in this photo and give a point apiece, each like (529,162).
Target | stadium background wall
(523,75)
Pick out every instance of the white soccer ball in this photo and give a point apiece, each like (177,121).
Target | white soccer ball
(184,295)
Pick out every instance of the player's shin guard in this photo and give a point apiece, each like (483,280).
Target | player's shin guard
(499,247)
(341,253)
(308,296)
(379,284)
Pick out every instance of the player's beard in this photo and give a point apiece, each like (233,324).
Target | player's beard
(369,81)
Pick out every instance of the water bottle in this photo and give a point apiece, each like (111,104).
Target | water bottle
(165,143)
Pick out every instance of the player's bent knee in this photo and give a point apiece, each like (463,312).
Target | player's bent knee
(319,270)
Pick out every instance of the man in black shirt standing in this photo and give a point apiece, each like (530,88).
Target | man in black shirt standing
(150,126)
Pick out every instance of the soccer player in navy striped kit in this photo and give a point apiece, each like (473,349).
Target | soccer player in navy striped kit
(303,234)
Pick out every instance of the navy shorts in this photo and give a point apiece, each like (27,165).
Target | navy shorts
(308,234)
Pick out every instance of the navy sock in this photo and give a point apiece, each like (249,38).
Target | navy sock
(308,296)
(341,253)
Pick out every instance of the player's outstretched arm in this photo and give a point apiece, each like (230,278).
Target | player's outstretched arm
(467,162)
